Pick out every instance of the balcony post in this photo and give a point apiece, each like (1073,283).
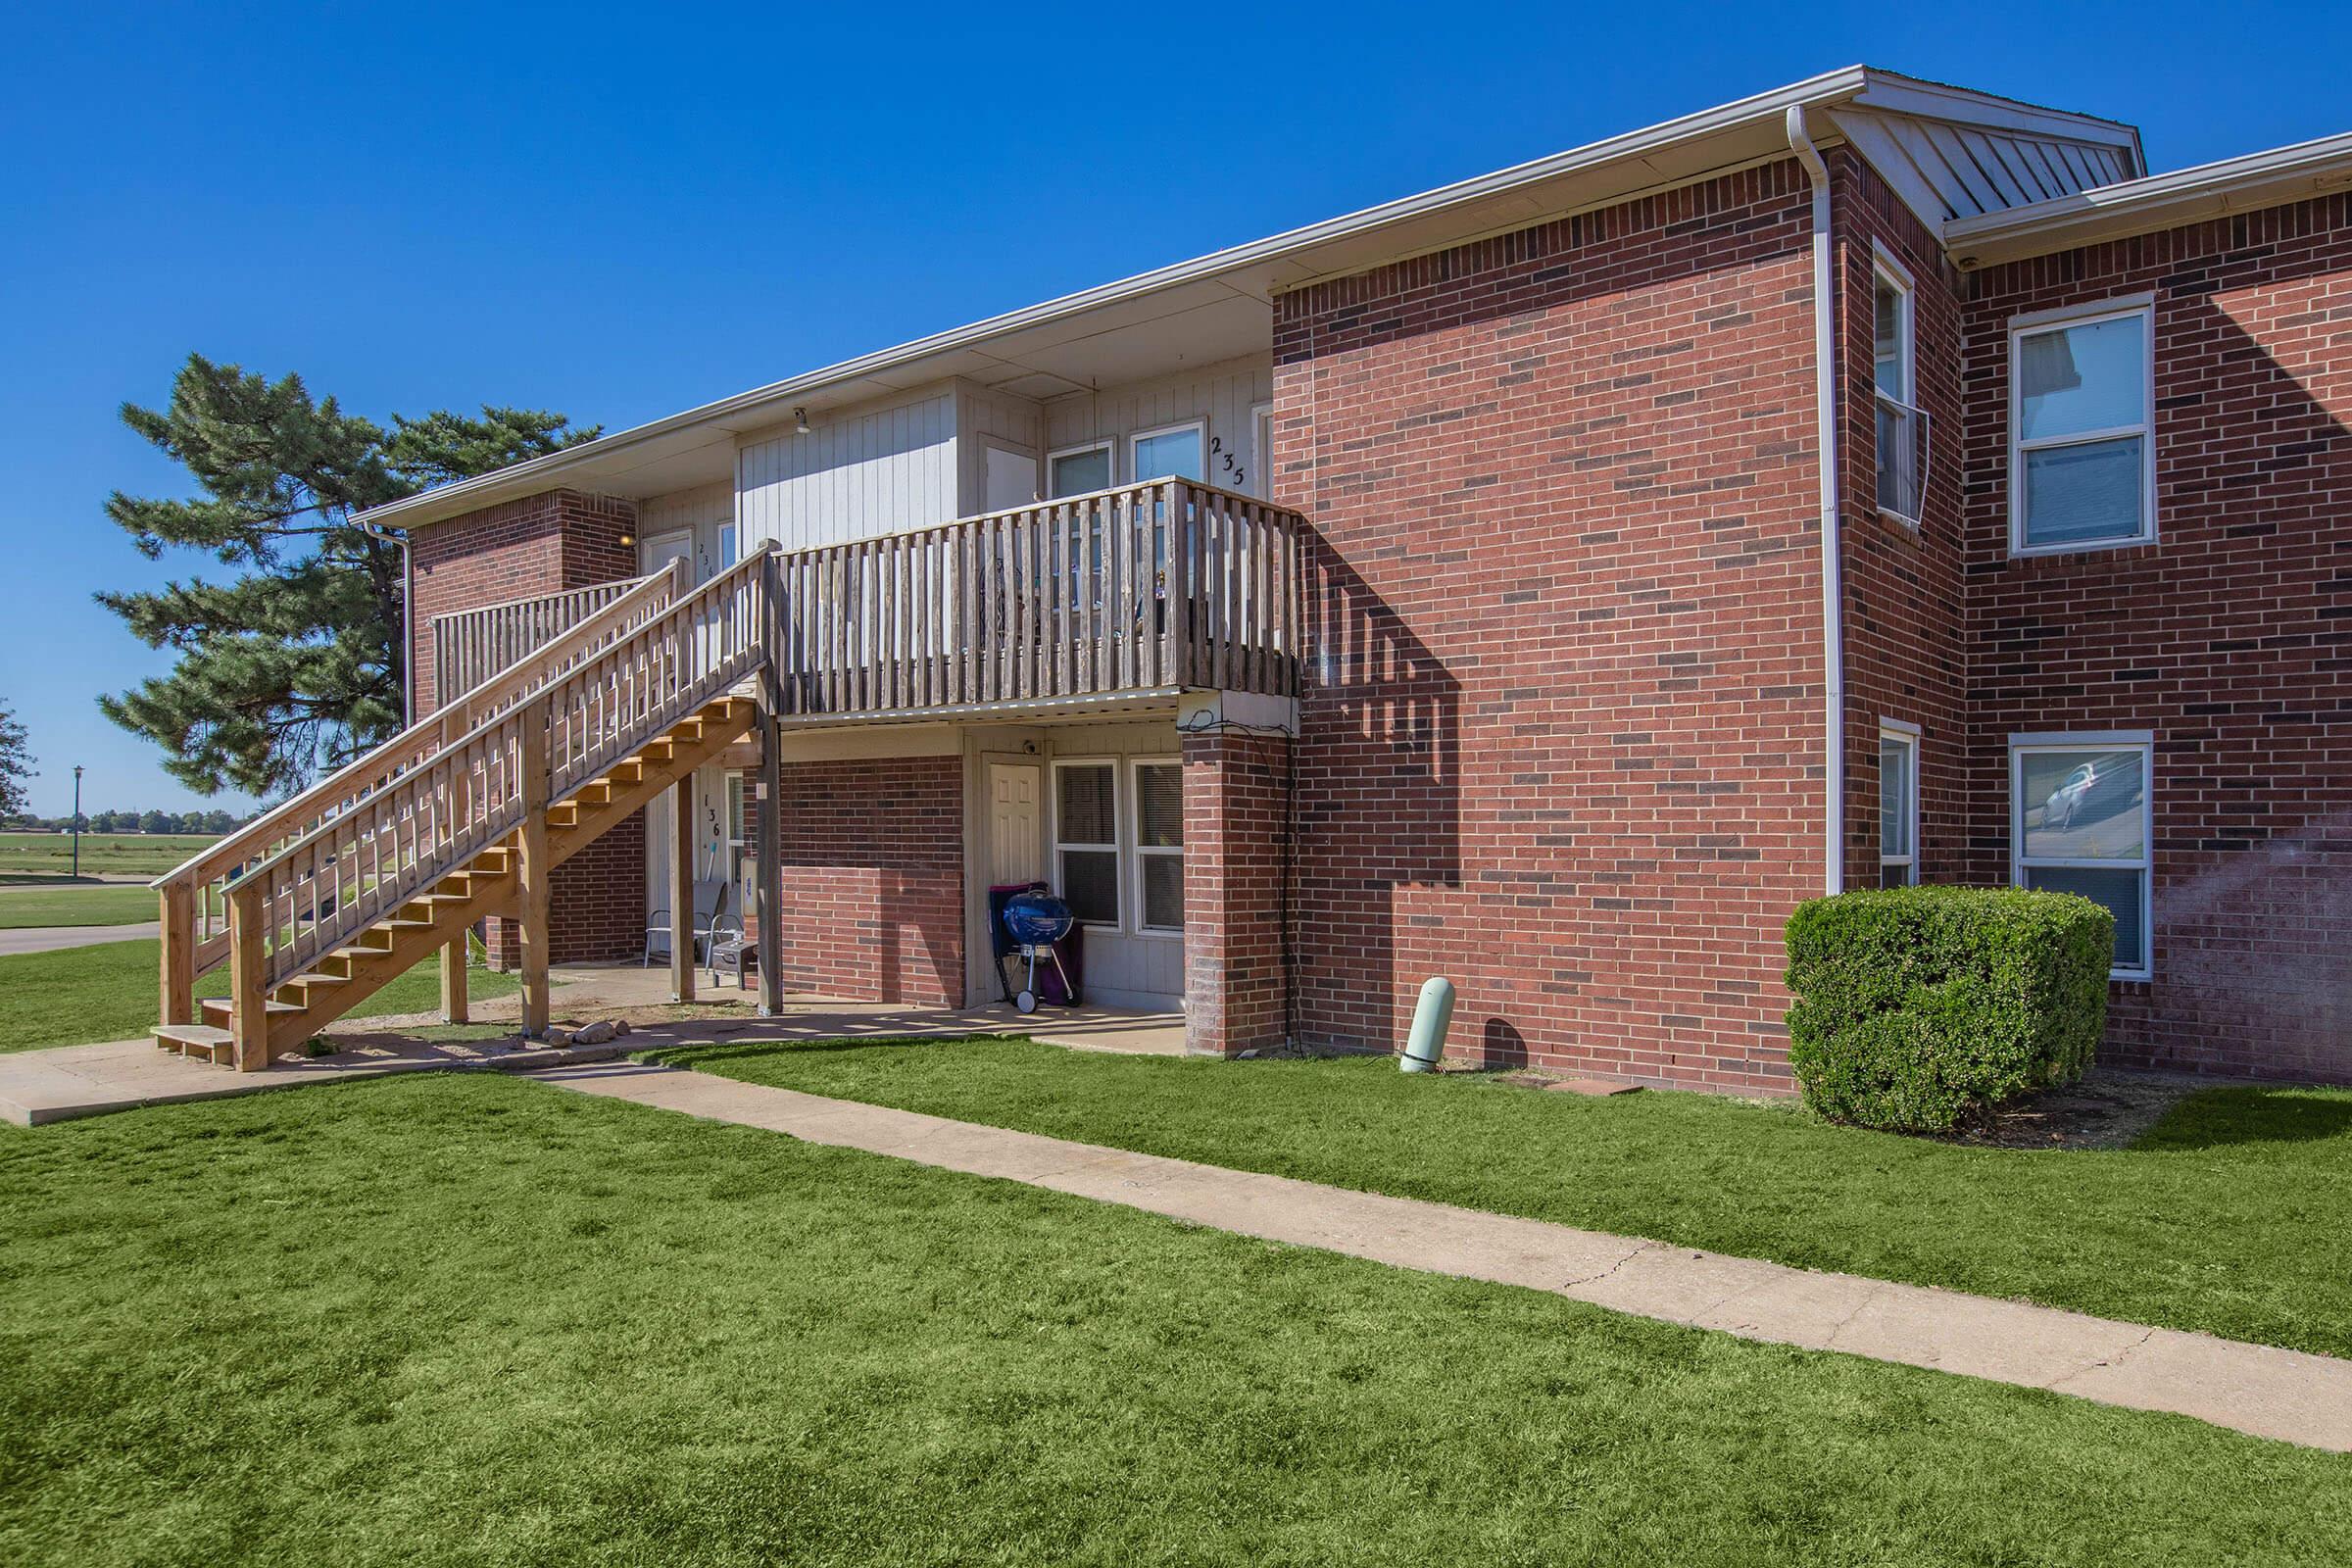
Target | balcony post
(453,980)
(179,929)
(248,997)
(771,923)
(534,871)
(681,890)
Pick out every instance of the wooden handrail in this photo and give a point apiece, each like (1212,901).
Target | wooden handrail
(343,874)
(471,643)
(194,894)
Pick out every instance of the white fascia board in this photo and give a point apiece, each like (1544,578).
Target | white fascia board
(2159,201)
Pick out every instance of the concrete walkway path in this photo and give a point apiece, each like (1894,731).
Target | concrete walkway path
(2270,1392)
(51,938)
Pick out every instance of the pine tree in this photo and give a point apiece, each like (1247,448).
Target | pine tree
(16,765)
(295,664)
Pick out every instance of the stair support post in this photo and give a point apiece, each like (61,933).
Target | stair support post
(178,1004)
(248,995)
(771,925)
(453,980)
(681,890)
(533,871)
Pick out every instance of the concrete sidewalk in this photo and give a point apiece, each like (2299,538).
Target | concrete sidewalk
(2271,1392)
(52,938)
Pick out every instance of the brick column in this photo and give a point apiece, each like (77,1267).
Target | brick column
(1235,806)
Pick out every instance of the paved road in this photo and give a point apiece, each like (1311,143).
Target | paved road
(50,938)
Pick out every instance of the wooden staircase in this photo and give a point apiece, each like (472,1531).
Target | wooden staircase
(327,899)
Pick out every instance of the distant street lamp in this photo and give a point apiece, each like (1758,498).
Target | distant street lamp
(77,821)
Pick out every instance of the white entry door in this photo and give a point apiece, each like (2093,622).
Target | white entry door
(1011,479)
(1015,841)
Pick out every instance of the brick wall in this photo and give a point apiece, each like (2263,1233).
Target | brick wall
(1234,808)
(538,545)
(1562,733)
(2226,638)
(871,858)
(1905,622)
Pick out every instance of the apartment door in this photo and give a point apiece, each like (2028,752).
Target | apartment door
(1015,831)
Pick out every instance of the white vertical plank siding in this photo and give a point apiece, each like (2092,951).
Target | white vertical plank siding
(852,476)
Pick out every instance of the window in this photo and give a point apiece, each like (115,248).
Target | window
(1898,804)
(1261,452)
(726,546)
(1086,840)
(2081,822)
(1160,846)
(1903,426)
(2082,454)
(1079,471)
(1174,453)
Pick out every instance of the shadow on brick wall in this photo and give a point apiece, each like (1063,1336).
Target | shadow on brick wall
(2228,639)
(1379,803)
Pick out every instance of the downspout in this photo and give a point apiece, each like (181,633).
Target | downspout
(1824,414)
(407,617)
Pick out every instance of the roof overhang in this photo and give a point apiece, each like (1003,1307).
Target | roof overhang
(2157,201)
(1218,306)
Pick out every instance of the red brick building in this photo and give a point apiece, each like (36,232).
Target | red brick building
(1547,582)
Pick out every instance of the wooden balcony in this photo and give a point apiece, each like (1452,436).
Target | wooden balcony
(1136,592)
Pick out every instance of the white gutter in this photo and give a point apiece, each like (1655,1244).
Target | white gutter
(1824,414)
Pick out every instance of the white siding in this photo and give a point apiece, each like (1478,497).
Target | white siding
(856,475)
(983,419)
(702,510)
(1222,394)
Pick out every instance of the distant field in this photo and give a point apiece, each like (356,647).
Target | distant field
(75,905)
(102,854)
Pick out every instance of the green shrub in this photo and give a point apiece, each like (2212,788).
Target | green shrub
(1919,1007)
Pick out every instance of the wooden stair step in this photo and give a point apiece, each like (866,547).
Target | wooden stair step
(220,1007)
(196,1040)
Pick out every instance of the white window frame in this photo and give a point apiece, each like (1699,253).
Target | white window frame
(1112,467)
(1136,849)
(1136,438)
(2140,740)
(1884,269)
(1910,735)
(1118,822)
(2032,324)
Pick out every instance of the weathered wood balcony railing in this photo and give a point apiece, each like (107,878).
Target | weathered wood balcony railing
(1145,587)
(195,904)
(471,645)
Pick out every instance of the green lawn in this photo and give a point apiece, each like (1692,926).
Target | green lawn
(108,991)
(74,906)
(107,854)
(472,1320)
(2230,1216)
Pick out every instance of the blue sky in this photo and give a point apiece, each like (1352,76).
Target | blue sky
(620,214)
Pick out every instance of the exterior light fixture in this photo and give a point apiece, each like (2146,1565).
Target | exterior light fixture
(800,421)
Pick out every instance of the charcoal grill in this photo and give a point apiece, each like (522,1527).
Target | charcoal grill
(1035,921)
